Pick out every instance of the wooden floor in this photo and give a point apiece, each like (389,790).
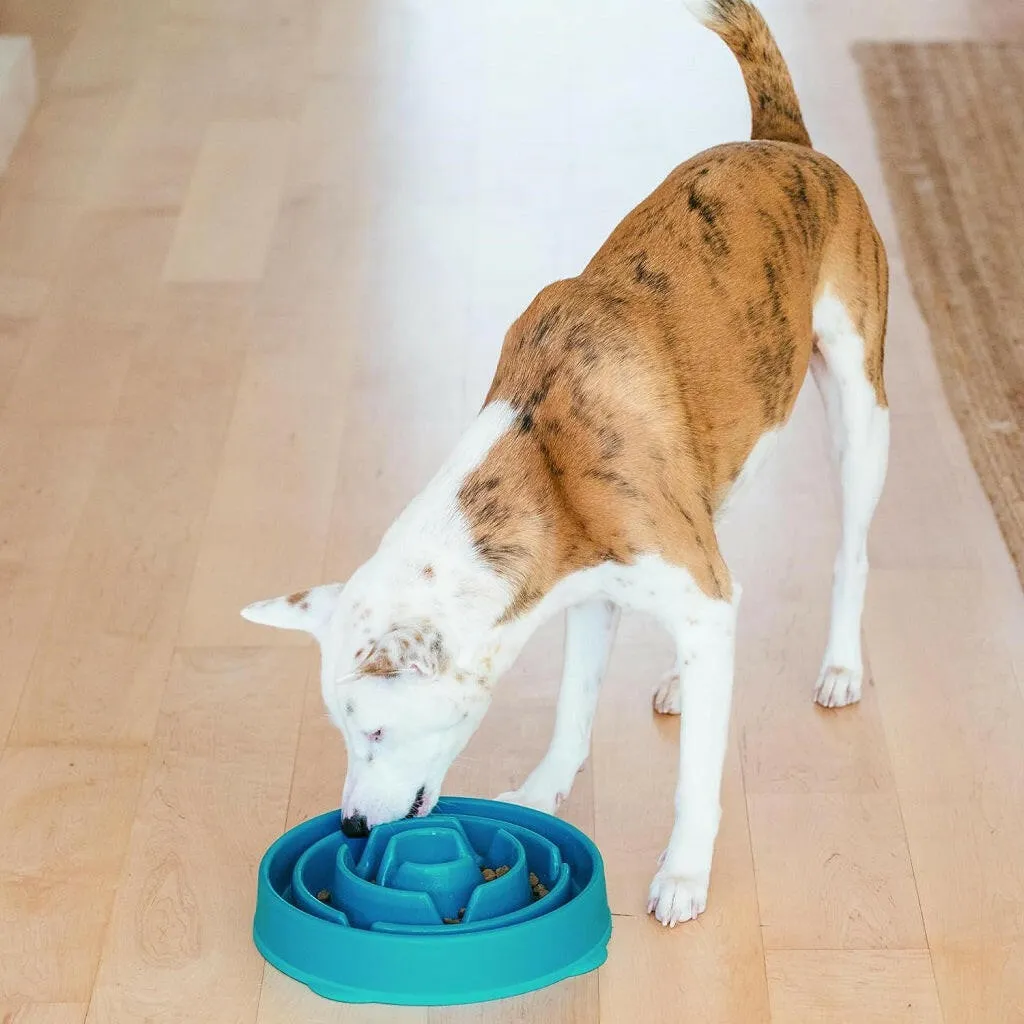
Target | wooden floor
(256,261)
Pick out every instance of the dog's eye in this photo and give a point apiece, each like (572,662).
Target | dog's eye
(375,736)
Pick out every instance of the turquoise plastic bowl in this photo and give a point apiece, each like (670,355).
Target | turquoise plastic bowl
(382,937)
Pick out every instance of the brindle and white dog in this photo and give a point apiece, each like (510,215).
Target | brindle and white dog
(628,406)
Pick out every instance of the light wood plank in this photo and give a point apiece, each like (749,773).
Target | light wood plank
(21,298)
(111,43)
(833,872)
(981,982)
(14,342)
(214,797)
(46,479)
(99,306)
(838,987)
(72,372)
(111,272)
(267,526)
(103,660)
(43,1013)
(228,218)
(697,972)
(153,151)
(62,143)
(789,745)
(35,235)
(65,815)
(574,1001)
(954,714)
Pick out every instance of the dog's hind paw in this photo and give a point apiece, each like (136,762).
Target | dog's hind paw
(677,898)
(838,687)
(666,696)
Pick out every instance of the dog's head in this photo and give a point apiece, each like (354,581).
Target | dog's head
(392,686)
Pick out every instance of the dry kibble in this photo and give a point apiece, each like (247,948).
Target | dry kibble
(490,874)
(324,895)
(540,890)
(455,920)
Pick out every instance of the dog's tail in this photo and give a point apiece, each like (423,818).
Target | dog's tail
(775,110)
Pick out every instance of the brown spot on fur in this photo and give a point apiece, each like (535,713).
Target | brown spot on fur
(428,572)
(403,647)
(299,597)
(379,664)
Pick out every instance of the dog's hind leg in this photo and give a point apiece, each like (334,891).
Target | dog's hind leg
(847,368)
(589,633)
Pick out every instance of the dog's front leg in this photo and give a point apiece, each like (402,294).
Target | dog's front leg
(705,635)
(589,632)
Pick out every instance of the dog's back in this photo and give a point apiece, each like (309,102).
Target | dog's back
(647,381)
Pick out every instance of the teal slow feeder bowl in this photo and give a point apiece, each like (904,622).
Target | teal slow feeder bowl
(364,920)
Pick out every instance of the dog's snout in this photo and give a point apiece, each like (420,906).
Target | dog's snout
(355,827)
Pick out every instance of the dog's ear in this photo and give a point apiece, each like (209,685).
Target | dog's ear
(307,610)
(417,649)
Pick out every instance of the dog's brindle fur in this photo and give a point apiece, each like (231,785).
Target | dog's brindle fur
(626,407)
(643,384)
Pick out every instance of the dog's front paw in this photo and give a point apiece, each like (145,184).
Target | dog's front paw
(838,687)
(666,696)
(677,898)
(539,800)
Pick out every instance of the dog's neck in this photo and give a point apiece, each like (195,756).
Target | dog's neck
(433,563)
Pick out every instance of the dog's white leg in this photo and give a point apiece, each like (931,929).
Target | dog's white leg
(705,630)
(860,439)
(589,633)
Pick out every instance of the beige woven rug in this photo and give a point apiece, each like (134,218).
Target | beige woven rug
(950,124)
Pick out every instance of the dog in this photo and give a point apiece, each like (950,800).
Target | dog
(629,406)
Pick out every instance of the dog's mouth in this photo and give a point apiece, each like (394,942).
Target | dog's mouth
(418,804)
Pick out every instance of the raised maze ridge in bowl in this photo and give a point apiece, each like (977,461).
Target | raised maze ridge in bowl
(418,874)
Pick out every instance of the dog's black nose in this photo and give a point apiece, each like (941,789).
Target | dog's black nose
(355,826)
